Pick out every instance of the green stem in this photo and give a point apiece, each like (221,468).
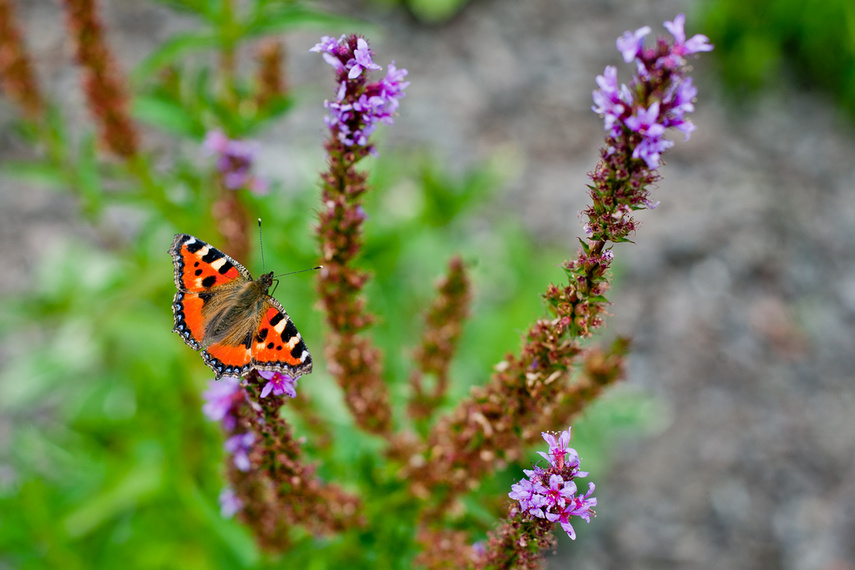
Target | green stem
(228,37)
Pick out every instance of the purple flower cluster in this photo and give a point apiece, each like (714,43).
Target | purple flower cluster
(221,400)
(234,161)
(359,106)
(660,95)
(551,493)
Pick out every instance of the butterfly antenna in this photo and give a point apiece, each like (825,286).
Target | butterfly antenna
(300,271)
(276,280)
(261,245)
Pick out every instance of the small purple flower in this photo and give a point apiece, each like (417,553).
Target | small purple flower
(235,159)
(230,504)
(611,101)
(559,491)
(695,44)
(681,101)
(220,399)
(563,517)
(646,123)
(362,59)
(581,505)
(278,383)
(239,446)
(558,448)
(529,495)
(327,44)
(630,44)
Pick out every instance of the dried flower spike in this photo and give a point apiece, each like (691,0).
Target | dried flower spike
(359,106)
(495,423)
(103,84)
(17,80)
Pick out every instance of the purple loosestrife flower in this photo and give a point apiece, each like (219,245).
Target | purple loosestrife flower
(610,100)
(235,159)
(531,496)
(551,493)
(645,122)
(578,506)
(239,446)
(559,492)
(558,448)
(630,44)
(362,57)
(658,98)
(221,397)
(359,106)
(695,44)
(278,383)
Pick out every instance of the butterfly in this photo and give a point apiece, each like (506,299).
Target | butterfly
(222,311)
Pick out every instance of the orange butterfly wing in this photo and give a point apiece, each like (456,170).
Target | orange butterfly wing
(199,269)
(228,360)
(199,266)
(278,345)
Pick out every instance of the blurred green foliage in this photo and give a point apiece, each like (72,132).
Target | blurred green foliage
(427,11)
(757,42)
(106,460)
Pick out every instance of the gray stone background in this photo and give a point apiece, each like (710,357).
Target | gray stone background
(739,293)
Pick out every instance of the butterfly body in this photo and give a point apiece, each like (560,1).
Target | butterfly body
(222,311)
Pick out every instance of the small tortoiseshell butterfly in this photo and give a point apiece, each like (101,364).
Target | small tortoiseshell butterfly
(222,311)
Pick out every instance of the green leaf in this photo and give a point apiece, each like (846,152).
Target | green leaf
(166,114)
(88,176)
(281,18)
(171,50)
(137,484)
(195,6)
(435,11)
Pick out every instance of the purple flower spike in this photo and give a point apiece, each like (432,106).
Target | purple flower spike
(278,383)
(658,98)
(359,106)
